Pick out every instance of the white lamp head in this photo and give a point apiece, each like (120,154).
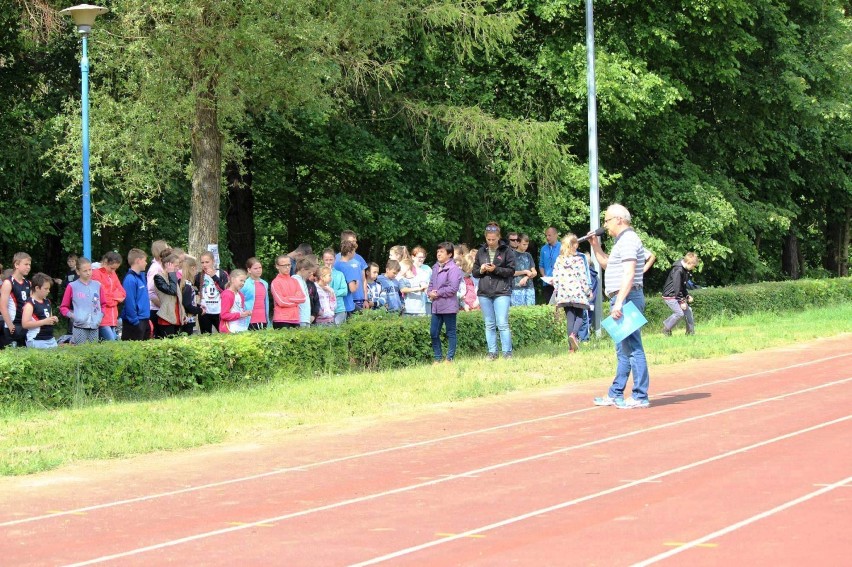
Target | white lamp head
(84,16)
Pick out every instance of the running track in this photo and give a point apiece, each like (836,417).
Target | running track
(739,461)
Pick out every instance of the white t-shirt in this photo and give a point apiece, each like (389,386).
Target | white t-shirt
(211,296)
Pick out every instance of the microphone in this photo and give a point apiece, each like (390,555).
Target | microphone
(598,232)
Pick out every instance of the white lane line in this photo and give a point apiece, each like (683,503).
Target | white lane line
(568,503)
(447,478)
(733,527)
(275,472)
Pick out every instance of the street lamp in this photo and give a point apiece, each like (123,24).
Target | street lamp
(594,196)
(84,18)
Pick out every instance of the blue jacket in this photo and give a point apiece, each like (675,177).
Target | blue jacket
(248,293)
(137,305)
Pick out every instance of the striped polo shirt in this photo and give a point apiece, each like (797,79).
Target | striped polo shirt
(627,247)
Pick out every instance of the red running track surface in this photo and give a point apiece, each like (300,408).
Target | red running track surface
(743,460)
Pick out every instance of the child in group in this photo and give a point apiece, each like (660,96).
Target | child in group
(374,289)
(338,284)
(523,292)
(287,295)
(37,317)
(210,282)
(189,293)
(137,305)
(234,317)
(327,299)
(400,254)
(313,290)
(83,303)
(14,292)
(304,268)
(171,315)
(390,297)
(71,274)
(571,287)
(256,293)
(468,297)
(157,249)
(354,275)
(113,294)
(413,283)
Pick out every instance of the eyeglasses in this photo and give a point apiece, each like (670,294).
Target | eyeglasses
(609,219)
(287,265)
(420,257)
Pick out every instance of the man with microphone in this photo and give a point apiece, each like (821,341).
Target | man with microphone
(623,270)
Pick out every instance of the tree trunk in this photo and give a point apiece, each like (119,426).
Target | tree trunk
(790,256)
(240,213)
(836,259)
(206,175)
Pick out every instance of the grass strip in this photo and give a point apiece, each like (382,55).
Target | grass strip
(33,441)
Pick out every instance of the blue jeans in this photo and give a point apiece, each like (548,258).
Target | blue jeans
(495,311)
(584,329)
(107,334)
(631,356)
(449,321)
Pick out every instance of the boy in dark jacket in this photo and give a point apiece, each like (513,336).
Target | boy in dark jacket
(677,297)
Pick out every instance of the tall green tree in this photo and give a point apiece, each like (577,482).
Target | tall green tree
(181,82)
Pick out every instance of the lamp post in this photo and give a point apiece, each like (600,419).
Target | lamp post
(84,18)
(594,196)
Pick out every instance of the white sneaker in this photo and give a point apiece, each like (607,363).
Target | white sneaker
(631,403)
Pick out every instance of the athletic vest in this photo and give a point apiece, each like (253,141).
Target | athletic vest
(20,294)
(41,311)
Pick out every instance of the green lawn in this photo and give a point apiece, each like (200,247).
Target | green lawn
(32,441)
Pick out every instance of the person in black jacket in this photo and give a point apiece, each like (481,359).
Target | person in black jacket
(495,267)
(676,295)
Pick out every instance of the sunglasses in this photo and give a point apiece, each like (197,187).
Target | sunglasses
(513,240)
(492,228)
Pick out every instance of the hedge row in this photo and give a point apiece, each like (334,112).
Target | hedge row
(133,371)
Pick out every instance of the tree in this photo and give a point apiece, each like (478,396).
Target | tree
(188,77)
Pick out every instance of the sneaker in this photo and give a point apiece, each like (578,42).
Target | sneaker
(491,356)
(667,332)
(507,355)
(607,401)
(632,404)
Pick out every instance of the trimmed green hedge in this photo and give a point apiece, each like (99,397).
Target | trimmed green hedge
(145,370)
(133,371)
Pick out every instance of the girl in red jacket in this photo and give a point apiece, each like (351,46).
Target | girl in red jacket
(113,294)
(234,317)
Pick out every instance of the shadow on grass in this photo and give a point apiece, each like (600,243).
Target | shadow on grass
(678,399)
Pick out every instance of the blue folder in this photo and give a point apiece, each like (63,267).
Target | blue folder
(631,320)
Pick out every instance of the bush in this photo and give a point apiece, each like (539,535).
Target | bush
(373,341)
(144,370)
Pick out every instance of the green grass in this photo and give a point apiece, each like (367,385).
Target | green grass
(32,441)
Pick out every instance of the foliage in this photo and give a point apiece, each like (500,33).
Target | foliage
(724,128)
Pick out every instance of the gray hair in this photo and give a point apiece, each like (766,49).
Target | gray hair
(620,211)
